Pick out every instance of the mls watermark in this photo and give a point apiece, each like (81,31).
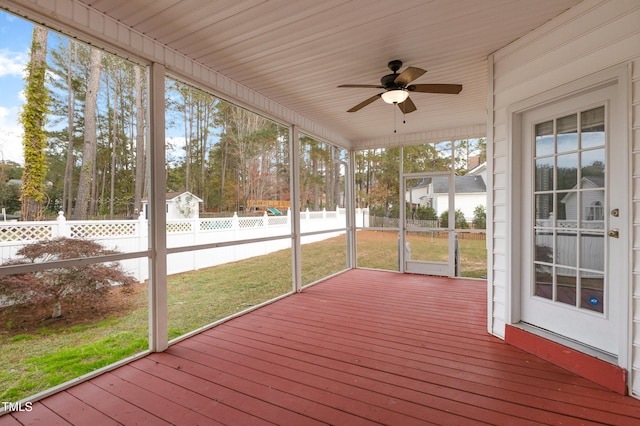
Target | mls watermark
(17,406)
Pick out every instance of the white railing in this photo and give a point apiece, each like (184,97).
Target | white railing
(133,235)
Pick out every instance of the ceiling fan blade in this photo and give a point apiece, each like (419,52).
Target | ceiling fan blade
(407,106)
(368,86)
(364,103)
(408,75)
(452,89)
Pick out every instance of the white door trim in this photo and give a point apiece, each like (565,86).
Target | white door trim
(620,76)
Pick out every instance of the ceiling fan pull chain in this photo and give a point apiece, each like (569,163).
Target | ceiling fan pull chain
(394,121)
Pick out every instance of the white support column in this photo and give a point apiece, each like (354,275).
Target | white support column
(489,182)
(403,215)
(158,335)
(350,211)
(296,254)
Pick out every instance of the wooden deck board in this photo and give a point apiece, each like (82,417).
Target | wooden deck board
(75,411)
(364,347)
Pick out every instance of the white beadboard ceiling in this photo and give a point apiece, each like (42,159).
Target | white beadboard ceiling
(296,52)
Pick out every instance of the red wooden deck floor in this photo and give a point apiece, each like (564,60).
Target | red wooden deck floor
(364,347)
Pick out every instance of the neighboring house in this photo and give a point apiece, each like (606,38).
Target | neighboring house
(180,205)
(470,192)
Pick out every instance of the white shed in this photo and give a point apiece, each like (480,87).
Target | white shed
(180,205)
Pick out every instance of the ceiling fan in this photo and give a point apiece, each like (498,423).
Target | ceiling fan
(397,88)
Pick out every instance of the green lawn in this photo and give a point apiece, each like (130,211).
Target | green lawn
(379,250)
(39,359)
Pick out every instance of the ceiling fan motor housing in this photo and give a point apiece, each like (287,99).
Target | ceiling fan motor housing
(389,82)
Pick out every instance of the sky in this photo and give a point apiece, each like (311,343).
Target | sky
(15,39)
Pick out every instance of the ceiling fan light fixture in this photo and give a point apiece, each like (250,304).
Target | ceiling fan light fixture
(396,96)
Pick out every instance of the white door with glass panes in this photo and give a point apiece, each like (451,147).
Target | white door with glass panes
(574,174)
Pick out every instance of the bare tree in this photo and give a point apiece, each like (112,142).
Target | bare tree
(89,151)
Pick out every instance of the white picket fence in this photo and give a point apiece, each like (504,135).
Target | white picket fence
(133,235)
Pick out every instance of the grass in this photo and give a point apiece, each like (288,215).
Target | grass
(379,250)
(35,361)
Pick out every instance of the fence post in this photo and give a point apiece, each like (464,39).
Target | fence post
(63,229)
(265,226)
(235,225)
(196,229)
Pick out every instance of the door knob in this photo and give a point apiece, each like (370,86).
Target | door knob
(614,233)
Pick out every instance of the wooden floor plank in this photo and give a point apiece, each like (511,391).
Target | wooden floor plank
(318,404)
(205,405)
(119,409)
(164,408)
(276,406)
(75,411)
(8,420)
(39,415)
(363,347)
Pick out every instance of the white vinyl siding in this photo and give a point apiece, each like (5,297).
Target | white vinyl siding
(593,36)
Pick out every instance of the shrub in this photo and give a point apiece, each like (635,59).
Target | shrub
(426,213)
(55,284)
(480,217)
(461,221)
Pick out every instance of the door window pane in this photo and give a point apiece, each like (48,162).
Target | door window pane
(592,168)
(544,138)
(592,289)
(567,171)
(592,210)
(544,210)
(566,248)
(544,174)
(544,246)
(544,281)
(566,286)
(592,251)
(567,209)
(568,133)
(592,128)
